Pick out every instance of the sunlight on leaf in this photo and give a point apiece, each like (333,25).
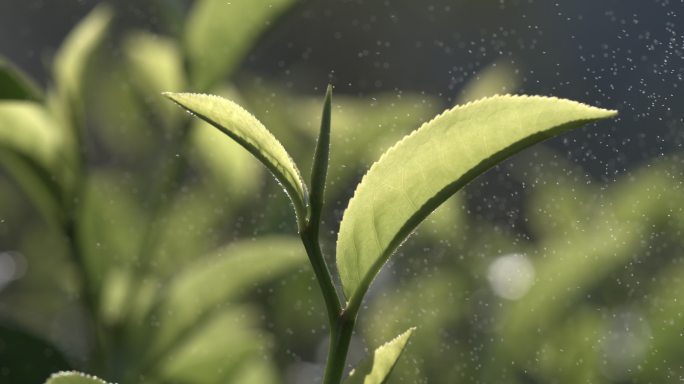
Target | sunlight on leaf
(377,368)
(416,175)
(244,128)
(73,378)
(231,170)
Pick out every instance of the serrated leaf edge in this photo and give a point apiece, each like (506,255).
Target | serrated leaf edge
(610,113)
(406,334)
(461,107)
(302,217)
(81,374)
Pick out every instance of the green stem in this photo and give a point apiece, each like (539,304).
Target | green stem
(340,337)
(313,249)
(340,321)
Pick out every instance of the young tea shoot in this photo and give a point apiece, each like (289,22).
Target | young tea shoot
(409,181)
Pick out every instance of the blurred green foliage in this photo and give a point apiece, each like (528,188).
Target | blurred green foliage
(129,231)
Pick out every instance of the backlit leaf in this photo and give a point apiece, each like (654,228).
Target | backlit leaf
(73,378)
(377,368)
(426,167)
(244,128)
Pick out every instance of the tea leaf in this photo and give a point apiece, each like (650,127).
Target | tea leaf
(37,183)
(226,166)
(227,340)
(73,378)
(155,64)
(319,169)
(377,368)
(30,148)
(27,128)
(110,223)
(201,287)
(220,33)
(16,85)
(244,128)
(72,57)
(426,167)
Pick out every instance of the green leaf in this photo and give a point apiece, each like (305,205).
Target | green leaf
(31,146)
(184,231)
(244,128)
(497,78)
(258,370)
(227,166)
(37,183)
(319,169)
(377,368)
(73,378)
(73,56)
(28,128)
(16,85)
(426,167)
(225,340)
(155,64)
(220,33)
(219,277)
(110,223)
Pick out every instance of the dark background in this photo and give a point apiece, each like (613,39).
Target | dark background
(625,55)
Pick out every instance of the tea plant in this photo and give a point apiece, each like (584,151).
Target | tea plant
(562,229)
(400,190)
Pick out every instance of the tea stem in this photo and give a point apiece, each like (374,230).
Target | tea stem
(313,249)
(341,331)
